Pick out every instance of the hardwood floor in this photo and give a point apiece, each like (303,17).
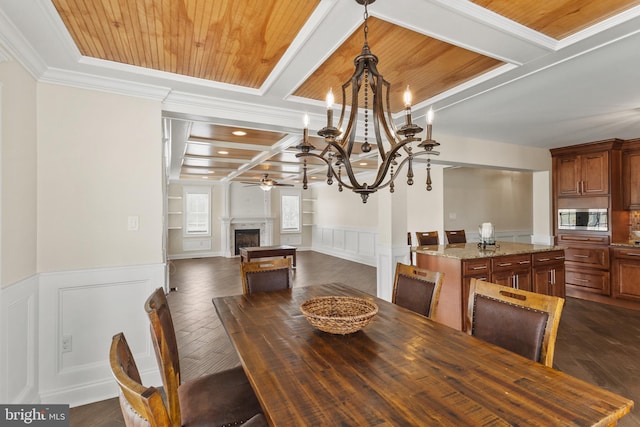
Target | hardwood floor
(597,343)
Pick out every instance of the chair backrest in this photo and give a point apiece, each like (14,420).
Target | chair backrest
(417,289)
(428,238)
(266,276)
(456,236)
(163,336)
(520,321)
(141,406)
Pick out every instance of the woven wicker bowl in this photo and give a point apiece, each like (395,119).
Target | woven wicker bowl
(338,315)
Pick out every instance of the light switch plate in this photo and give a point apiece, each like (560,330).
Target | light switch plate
(132,223)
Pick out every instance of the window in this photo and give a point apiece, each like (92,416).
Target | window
(290,212)
(197,219)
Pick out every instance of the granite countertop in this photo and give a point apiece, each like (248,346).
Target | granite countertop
(630,243)
(471,250)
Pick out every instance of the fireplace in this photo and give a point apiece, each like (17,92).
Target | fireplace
(246,238)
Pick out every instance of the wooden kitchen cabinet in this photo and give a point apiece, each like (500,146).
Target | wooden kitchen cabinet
(513,271)
(625,273)
(582,174)
(587,266)
(631,175)
(549,273)
(586,170)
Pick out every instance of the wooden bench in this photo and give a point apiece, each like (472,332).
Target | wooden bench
(247,254)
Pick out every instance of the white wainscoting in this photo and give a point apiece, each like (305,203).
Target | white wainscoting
(19,342)
(91,306)
(354,244)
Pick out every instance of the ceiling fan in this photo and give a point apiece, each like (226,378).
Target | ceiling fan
(266,183)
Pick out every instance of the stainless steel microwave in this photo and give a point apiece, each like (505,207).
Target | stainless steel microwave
(583,219)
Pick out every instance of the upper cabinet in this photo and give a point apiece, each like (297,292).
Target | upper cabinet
(586,174)
(583,170)
(631,174)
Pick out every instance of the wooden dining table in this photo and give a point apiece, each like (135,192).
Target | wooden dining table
(402,369)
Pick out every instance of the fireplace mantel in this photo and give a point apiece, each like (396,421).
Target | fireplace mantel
(230,224)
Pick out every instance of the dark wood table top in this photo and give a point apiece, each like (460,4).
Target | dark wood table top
(268,248)
(401,369)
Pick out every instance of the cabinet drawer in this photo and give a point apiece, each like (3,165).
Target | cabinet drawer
(587,239)
(547,258)
(588,280)
(510,262)
(592,257)
(476,266)
(626,253)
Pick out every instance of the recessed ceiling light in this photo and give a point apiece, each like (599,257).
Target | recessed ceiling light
(223,152)
(363,163)
(239,133)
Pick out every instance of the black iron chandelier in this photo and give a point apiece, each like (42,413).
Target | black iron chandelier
(367,84)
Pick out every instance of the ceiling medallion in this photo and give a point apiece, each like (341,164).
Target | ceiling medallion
(367,84)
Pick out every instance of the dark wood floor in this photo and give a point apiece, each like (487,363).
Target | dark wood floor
(596,342)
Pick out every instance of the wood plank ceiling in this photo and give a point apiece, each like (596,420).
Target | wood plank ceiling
(240,42)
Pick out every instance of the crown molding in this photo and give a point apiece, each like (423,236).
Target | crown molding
(104,84)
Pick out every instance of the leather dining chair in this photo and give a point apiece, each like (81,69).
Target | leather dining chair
(417,289)
(265,276)
(520,321)
(140,405)
(220,398)
(456,236)
(428,238)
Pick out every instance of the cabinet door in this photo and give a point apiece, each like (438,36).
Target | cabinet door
(549,280)
(594,173)
(568,176)
(504,278)
(519,279)
(625,274)
(631,179)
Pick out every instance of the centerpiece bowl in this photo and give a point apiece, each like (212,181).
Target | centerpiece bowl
(339,314)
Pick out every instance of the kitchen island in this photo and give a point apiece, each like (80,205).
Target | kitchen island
(537,268)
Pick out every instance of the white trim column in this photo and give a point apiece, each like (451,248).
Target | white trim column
(392,235)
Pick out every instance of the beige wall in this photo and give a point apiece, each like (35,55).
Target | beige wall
(425,208)
(344,208)
(99,162)
(475,195)
(18,156)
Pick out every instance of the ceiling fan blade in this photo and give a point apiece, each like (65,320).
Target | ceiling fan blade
(283,185)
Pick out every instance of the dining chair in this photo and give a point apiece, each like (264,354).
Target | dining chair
(417,289)
(220,398)
(428,238)
(520,321)
(456,236)
(265,276)
(140,405)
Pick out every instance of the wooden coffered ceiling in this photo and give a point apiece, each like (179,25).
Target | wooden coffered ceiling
(287,53)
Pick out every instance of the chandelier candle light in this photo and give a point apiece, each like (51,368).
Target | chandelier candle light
(390,142)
